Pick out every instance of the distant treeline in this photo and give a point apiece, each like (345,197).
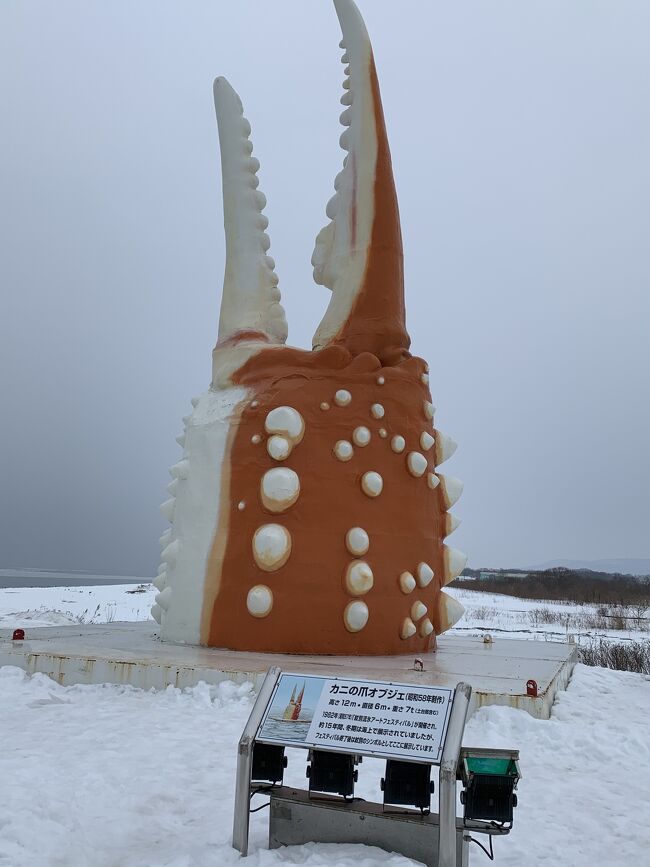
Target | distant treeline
(571,585)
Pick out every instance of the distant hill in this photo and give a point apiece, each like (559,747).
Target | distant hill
(619,566)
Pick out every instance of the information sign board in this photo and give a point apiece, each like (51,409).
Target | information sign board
(373,718)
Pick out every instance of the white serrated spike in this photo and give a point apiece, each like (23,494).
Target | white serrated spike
(445,447)
(172,487)
(454,563)
(167,509)
(180,470)
(166,538)
(194,401)
(247,303)
(156,613)
(170,553)
(160,581)
(164,598)
(451,488)
(450,611)
(451,523)
(180,439)
(186,418)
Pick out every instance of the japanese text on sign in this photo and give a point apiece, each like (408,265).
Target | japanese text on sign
(376,718)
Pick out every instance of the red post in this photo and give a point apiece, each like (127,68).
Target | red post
(531,688)
(19,635)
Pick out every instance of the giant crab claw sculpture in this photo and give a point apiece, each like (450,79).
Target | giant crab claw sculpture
(307,512)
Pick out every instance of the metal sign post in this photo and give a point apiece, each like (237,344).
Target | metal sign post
(448,773)
(245,761)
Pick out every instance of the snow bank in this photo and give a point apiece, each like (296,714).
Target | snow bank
(109,776)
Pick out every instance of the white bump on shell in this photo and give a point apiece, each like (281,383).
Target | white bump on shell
(287,421)
(324,406)
(343,450)
(357,541)
(255,404)
(271,546)
(259,600)
(256,438)
(241,505)
(425,628)
(433,481)
(355,616)
(416,463)
(342,397)
(377,410)
(406,582)
(372,484)
(398,444)
(361,436)
(425,378)
(380,380)
(418,610)
(279,448)
(383,433)
(424,574)
(358,578)
(279,489)
(408,629)
(429,410)
(426,441)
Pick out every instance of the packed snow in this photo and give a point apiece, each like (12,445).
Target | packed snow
(110,776)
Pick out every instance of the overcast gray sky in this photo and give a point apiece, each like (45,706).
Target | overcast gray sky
(520,135)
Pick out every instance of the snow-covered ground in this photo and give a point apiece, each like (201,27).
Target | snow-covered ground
(30,607)
(511,617)
(109,776)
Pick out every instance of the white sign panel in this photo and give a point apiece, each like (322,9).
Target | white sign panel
(372,718)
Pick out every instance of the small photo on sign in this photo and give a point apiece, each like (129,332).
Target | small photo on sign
(292,709)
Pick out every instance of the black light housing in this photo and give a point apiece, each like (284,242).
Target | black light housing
(332,772)
(269,762)
(490,778)
(407,783)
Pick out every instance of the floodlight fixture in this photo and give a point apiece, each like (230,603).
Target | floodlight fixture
(269,762)
(489,779)
(408,784)
(333,773)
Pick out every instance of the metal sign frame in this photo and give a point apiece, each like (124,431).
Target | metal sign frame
(448,762)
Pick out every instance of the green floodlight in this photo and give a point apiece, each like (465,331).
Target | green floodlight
(489,778)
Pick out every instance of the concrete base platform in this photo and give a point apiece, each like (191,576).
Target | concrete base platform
(131,653)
